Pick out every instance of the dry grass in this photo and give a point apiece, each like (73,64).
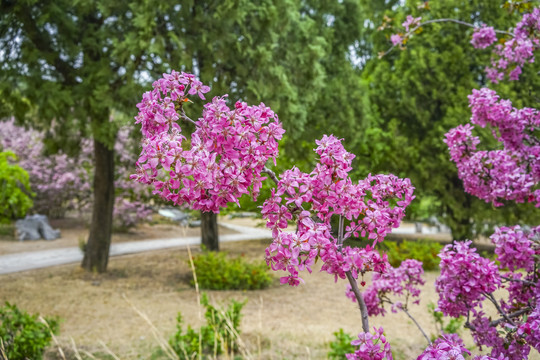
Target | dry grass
(278,323)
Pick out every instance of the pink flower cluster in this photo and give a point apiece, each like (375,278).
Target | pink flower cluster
(530,329)
(465,277)
(508,174)
(515,248)
(313,199)
(223,159)
(411,22)
(403,281)
(511,56)
(371,346)
(449,346)
(483,37)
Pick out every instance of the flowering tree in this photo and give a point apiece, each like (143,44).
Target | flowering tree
(509,174)
(62,183)
(226,157)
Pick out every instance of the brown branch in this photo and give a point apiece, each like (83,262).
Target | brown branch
(526,282)
(270,174)
(438,21)
(511,315)
(490,297)
(361,303)
(184,117)
(417,325)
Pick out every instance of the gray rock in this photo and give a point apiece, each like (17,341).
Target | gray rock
(35,227)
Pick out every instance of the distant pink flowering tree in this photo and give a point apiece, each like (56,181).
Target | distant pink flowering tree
(63,183)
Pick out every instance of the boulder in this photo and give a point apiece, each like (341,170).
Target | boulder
(35,227)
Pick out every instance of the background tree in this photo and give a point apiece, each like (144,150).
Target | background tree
(66,65)
(415,96)
(293,55)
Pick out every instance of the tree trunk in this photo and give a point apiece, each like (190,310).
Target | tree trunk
(209,231)
(96,255)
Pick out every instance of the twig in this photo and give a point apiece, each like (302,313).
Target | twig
(198,297)
(492,299)
(468,325)
(438,21)
(361,303)
(526,282)
(230,327)
(417,325)
(89,355)
(184,117)
(2,353)
(271,174)
(511,315)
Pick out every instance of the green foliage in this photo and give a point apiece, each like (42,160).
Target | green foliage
(218,336)
(340,346)
(453,326)
(424,251)
(417,95)
(15,193)
(23,335)
(215,271)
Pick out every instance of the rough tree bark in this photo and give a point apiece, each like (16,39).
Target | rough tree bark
(209,231)
(96,255)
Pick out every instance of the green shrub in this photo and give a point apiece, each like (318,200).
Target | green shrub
(340,346)
(23,335)
(15,193)
(424,251)
(218,336)
(217,272)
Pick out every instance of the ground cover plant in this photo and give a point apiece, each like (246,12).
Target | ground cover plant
(218,336)
(227,157)
(25,336)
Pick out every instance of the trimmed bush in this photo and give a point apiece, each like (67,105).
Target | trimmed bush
(215,271)
(424,251)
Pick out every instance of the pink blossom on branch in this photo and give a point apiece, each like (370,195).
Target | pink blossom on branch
(402,282)
(372,207)
(225,156)
(371,346)
(508,174)
(483,37)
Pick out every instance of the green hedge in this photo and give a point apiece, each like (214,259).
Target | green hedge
(215,271)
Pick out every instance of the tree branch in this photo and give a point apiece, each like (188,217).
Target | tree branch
(504,315)
(417,325)
(526,282)
(511,315)
(361,303)
(270,174)
(439,21)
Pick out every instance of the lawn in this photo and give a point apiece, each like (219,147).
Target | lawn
(280,322)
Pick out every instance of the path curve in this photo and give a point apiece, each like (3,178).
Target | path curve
(24,261)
